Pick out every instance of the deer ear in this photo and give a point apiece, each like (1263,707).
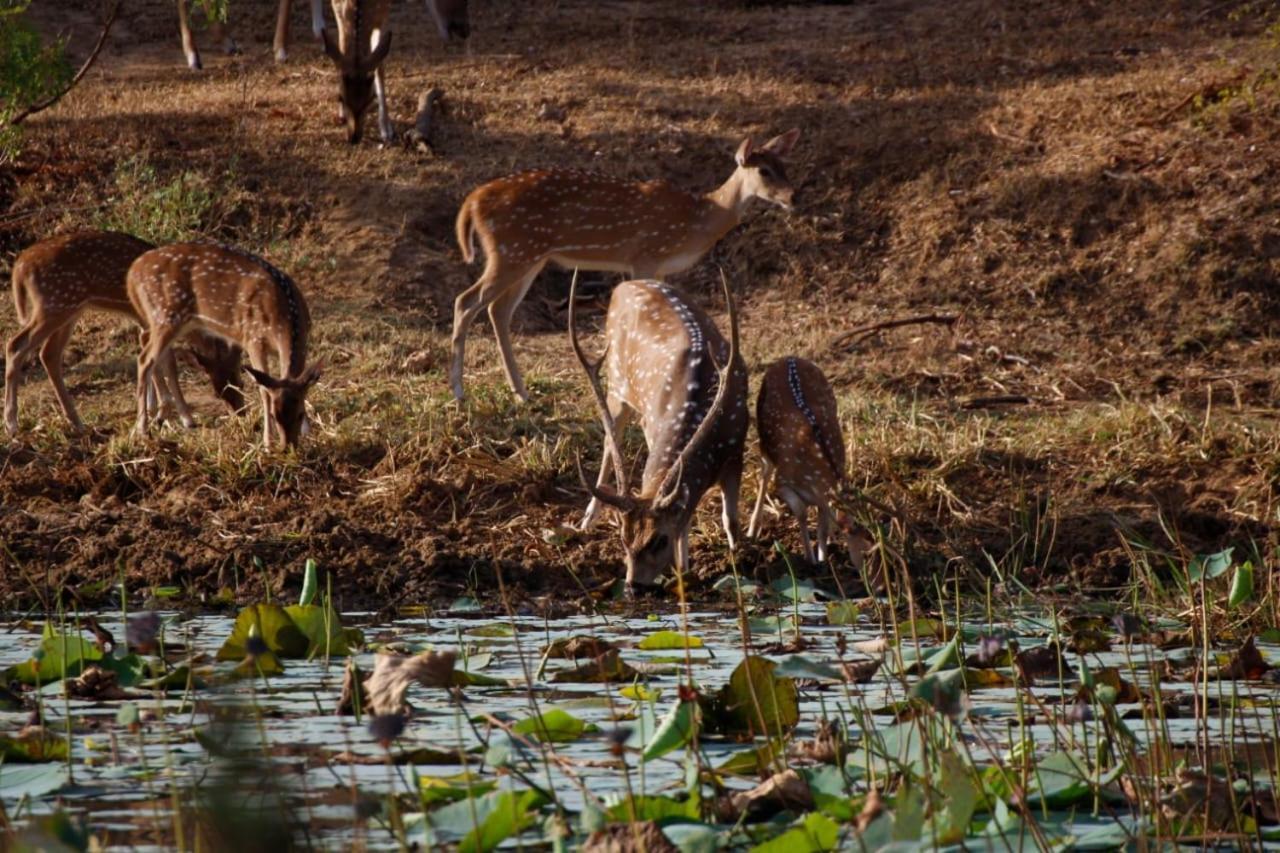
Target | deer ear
(744,151)
(312,374)
(370,63)
(264,379)
(330,47)
(780,146)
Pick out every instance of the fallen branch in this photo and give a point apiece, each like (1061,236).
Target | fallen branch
(851,338)
(1000,400)
(41,106)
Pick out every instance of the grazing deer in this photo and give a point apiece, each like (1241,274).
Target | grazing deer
(802,444)
(58,279)
(235,296)
(592,222)
(218,31)
(360,23)
(669,366)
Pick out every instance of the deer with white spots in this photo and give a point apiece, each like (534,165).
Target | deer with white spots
(667,365)
(583,220)
(218,31)
(802,444)
(57,280)
(240,298)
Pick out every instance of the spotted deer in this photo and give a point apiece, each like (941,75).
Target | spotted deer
(57,280)
(218,30)
(235,296)
(669,366)
(802,444)
(588,221)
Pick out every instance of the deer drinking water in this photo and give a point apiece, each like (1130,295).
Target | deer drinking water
(802,444)
(235,296)
(669,366)
(57,280)
(588,221)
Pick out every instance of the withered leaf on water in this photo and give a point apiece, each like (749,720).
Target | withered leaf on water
(1247,663)
(1041,662)
(640,837)
(394,674)
(574,648)
(608,667)
(861,671)
(98,683)
(785,790)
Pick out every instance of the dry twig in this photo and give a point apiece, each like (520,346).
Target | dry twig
(853,337)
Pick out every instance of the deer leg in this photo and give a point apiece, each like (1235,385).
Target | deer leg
(188,39)
(682,551)
(16,354)
(385,127)
(280,43)
(621,417)
(824,532)
(167,367)
(501,310)
(51,358)
(156,342)
(801,511)
(730,489)
(492,282)
(317,18)
(766,471)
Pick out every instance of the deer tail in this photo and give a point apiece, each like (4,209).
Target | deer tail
(466,232)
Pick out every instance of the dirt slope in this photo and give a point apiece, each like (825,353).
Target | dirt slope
(1087,186)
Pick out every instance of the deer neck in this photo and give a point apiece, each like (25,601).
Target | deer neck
(728,204)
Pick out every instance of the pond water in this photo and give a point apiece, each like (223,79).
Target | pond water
(145,769)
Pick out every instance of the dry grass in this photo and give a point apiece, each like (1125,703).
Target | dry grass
(1112,259)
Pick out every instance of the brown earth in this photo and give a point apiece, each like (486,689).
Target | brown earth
(1089,187)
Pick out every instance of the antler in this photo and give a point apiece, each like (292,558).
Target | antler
(622,498)
(670,488)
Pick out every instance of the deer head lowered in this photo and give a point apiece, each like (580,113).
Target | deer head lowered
(803,445)
(588,221)
(358,52)
(58,279)
(669,366)
(240,298)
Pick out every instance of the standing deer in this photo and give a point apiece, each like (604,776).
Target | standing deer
(449,17)
(57,280)
(801,441)
(235,296)
(218,31)
(669,366)
(588,221)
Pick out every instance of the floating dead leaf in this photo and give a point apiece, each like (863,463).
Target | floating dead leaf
(861,671)
(394,674)
(826,746)
(577,648)
(878,646)
(640,837)
(1090,642)
(786,790)
(1127,692)
(353,680)
(1247,663)
(100,684)
(1041,662)
(608,667)
(1201,798)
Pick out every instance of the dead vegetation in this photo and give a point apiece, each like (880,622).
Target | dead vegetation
(1087,188)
